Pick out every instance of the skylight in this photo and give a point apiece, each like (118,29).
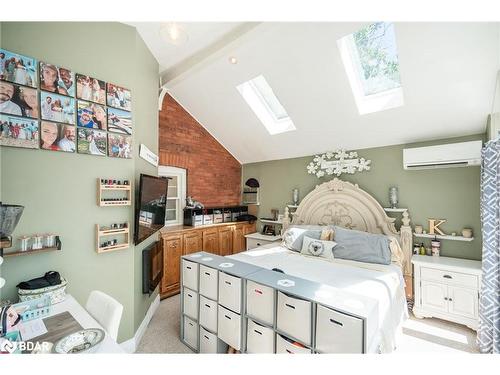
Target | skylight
(370,58)
(266,106)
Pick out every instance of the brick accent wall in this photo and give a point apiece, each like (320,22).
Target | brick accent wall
(213,174)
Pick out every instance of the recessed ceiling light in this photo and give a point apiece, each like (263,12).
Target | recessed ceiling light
(233,60)
(173,33)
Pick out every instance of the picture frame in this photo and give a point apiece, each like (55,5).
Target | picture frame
(19,132)
(18,100)
(19,69)
(90,89)
(119,121)
(119,146)
(118,97)
(57,79)
(91,141)
(57,137)
(57,108)
(91,115)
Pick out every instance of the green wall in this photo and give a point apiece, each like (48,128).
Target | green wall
(59,189)
(451,193)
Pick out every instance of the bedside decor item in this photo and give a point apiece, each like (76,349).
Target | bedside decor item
(393,196)
(336,163)
(295,196)
(83,341)
(419,229)
(467,232)
(434,226)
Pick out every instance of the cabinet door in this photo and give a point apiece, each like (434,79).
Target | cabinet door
(192,242)
(210,241)
(172,252)
(434,296)
(239,243)
(226,240)
(249,228)
(463,302)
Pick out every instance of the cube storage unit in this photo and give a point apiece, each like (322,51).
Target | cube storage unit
(256,310)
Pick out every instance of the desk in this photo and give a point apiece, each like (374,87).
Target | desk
(81,315)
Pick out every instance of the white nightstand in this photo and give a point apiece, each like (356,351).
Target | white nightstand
(257,239)
(447,288)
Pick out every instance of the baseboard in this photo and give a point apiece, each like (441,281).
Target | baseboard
(130,346)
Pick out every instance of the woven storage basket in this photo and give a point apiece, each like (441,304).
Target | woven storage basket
(56,293)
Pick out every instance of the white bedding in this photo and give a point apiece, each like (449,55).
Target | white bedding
(382,282)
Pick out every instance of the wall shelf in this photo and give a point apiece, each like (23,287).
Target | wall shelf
(446,237)
(101,188)
(389,209)
(268,221)
(108,231)
(17,253)
(108,249)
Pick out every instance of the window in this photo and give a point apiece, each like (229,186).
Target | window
(176,195)
(266,106)
(370,58)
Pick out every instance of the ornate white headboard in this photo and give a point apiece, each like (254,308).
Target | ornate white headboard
(344,204)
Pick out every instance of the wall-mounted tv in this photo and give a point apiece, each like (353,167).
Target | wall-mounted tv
(150,206)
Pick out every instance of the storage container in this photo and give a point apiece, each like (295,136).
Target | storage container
(208,282)
(218,217)
(56,293)
(208,342)
(286,346)
(294,317)
(190,303)
(208,314)
(230,292)
(260,339)
(229,327)
(260,302)
(190,274)
(191,333)
(227,215)
(337,332)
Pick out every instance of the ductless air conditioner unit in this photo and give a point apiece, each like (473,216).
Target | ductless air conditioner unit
(463,154)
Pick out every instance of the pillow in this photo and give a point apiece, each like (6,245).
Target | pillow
(293,237)
(317,248)
(361,246)
(327,234)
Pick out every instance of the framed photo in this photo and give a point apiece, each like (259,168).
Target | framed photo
(91,89)
(57,137)
(18,132)
(18,69)
(57,79)
(119,121)
(119,97)
(91,115)
(91,141)
(119,146)
(58,108)
(18,100)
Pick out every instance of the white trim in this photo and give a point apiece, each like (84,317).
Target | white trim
(130,346)
(181,174)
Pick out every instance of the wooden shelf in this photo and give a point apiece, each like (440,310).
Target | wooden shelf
(108,249)
(107,232)
(100,232)
(30,252)
(447,237)
(267,221)
(115,187)
(115,203)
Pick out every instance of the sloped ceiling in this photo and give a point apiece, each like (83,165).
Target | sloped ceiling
(448,72)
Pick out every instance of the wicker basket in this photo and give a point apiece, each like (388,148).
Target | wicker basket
(56,293)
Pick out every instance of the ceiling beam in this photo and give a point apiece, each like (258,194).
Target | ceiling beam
(204,56)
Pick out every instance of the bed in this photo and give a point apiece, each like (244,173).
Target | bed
(344,204)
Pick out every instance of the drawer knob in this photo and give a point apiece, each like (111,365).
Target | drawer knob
(336,322)
(290,306)
(447,277)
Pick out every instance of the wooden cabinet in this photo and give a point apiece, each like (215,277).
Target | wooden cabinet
(172,252)
(210,240)
(225,240)
(192,242)
(222,239)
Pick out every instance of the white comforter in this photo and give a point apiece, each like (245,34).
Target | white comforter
(383,282)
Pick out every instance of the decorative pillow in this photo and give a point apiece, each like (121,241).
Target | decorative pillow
(361,246)
(317,248)
(293,237)
(327,234)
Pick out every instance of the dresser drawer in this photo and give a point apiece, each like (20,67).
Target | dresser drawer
(208,314)
(190,274)
(284,346)
(337,332)
(449,277)
(208,282)
(190,303)
(191,333)
(260,302)
(230,292)
(208,342)
(260,339)
(294,317)
(229,327)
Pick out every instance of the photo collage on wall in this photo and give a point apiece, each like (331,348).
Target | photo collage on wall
(50,107)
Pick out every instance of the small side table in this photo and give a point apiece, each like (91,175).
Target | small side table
(255,240)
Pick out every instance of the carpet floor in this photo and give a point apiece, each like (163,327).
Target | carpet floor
(418,335)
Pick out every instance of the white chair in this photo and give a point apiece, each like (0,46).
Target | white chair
(106,310)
